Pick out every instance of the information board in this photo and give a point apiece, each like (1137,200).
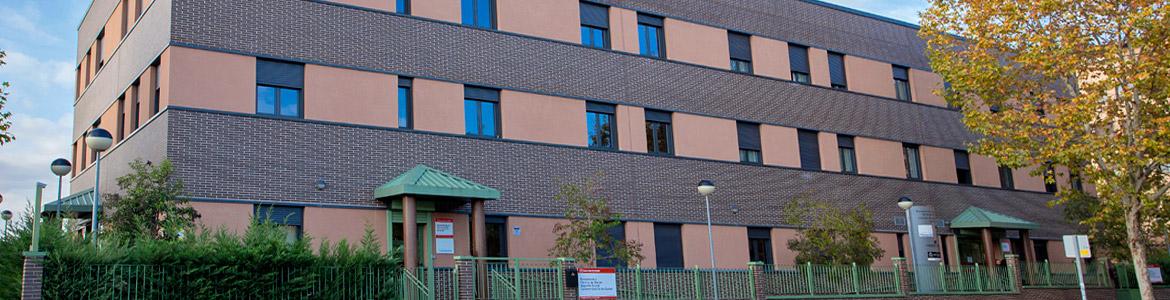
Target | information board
(597,283)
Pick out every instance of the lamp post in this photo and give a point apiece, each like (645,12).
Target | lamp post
(905,203)
(7,216)
(99,140)
(60,167)
(706,187)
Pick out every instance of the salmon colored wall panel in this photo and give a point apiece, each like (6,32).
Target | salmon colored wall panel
(631,128)
(924,87)
(443,10)
(553,19)
(337,224)
(145,92)
(164,80)
(984,171)
(233,217)
(386,5)
(536,236)
(705,137)
(770,58)
(731,246)
(889,243)
(462,238)
(697,44)
(623,29)
(818,64)
(880,158)
(779,146)
(438,106)
(113,34)
(350,96)
(869,76)
(1056,251)
(938,164)
(1027,182)
(830,155)
(192,74)
(780,253)
(643,232)
(541,118)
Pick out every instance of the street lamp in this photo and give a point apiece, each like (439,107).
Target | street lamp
(7,216)
(99,140)
(706,187)
(905,203)
(60,167)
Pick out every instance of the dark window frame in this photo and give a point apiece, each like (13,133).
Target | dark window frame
(594,110)
(135,106)
(156,88)
(847,153)
(481,96)
(902,88)
(278,100)
(405,106)
(501,223)
(264,212)
(588,28)
(1006,178)
(475,22)
(843,83)
(748,130)
(963,173)
(916,172)
(121,119)
(402,7)
(1050,177)
(740,63)
(801,73)
(764,235)
(808,142)
(655,22)
(653,125)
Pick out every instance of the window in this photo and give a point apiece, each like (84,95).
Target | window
(606,259)
(913,161)
(97,56)
(599,118)
(652,41)
(668,245)
(73,158)
(848,154)
(594,25)
(760,245)
(278,88)
(749,142)
(402,6)
(837,71)
(289,218)
(1050,179)
(658,133)
(810,150)
(497,236)
(798,59)
(125,17)
(963,167)
(135,106)
(1074,181)
(481,111)
(479,13)
(137,8)
(121,113)
(405,102)
(741,52)
(902,83)
(1005,178)
(154,96)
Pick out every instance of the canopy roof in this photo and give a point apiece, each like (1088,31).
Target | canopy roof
(80,202)
(427,181)
(975,217)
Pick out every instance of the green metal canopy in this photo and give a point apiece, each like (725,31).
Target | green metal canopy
(975,217)
(80,202)
(427,181)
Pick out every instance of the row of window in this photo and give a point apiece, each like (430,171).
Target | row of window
(127,120)
(279,93)
(595,32)
(93,60)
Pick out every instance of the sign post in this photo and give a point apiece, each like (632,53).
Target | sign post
(1077,247)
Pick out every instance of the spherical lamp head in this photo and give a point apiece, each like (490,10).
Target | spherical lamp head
(6,215)
(706,187)
(905,202)
(99,139)
(61,166)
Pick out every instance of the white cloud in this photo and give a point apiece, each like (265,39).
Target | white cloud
(26,20)
(26,160)
(35,77)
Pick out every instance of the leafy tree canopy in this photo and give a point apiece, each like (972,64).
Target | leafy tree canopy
(586,237)
(832,236)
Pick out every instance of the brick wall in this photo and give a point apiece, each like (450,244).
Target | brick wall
(265,159)
(328,34)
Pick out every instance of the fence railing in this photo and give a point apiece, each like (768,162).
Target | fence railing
(1045,274)
(802,281)
(961,279)
(679,283)
(517,278)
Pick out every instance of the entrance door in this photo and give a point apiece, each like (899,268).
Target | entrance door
(970,250)
(423,239)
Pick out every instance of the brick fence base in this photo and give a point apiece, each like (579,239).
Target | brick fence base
(33,276)
(1026,294)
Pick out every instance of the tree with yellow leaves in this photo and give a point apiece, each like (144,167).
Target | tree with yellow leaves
(1081,84)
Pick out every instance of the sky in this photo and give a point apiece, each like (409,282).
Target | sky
(40,37)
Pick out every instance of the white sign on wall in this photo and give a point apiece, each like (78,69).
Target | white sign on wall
(597,283)
(1074,243)
(444,236)
(1155,274)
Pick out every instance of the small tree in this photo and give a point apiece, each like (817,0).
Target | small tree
(832,236)
(151,207)
(586,235)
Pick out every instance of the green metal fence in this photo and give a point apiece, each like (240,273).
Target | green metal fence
(678,283)
(962,279)
(1045,274)
(812,281)
(517,278)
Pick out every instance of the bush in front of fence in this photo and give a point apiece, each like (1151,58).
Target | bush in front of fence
(261,263)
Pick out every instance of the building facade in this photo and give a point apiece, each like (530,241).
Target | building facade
(306,107)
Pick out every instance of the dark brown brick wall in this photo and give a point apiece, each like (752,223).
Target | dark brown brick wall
(321,33)
(233,156)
